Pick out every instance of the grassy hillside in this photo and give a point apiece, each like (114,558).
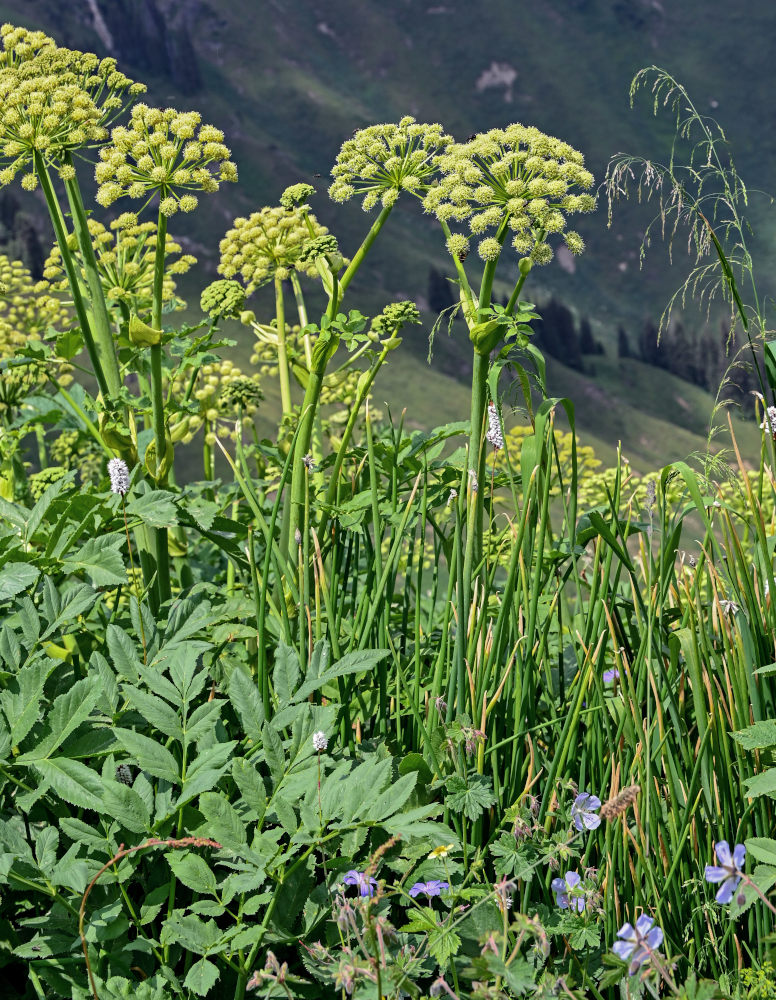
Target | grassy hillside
(288,82)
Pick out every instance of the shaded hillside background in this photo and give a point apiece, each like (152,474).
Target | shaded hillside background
(288,81)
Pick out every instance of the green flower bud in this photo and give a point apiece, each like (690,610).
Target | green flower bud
(222,298)
(296,195)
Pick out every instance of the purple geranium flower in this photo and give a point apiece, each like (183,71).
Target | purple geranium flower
(431,888)
(728,871)
(364,882)
(637,943)
(611,675)
(583,811)
(566,892)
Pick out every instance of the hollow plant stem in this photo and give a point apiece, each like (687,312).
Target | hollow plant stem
(157,403)
(103,335)
(280,315)
(70,270)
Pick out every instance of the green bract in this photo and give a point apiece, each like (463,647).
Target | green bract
(382,160)
(165,152)
(269,242)
(517,174)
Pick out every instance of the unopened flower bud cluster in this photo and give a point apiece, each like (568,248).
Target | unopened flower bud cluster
(27,310)
(268,244)
(125,260)
(164,151)
(223,393)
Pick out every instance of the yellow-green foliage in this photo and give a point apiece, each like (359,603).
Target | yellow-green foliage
(594,483)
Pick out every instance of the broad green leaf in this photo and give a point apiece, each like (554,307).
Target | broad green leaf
(16,577)
(193,933)
(22,706)
(155,509)
(764,877)
(67,714)
(154,710)
(762,784)
(193,871)
(390,801)
(125,805)
(222,822)
(202,720)
(471,795)
(76,600)
(100,559)
(149,755)
(762,849)
(245,698)
(285,675)
(201,977)
(123,654)
(46,499)
(360,661)
(72,781)
(251,786)
(760,736)
(273,754)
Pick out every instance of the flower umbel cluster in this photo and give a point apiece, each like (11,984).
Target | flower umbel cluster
(125,261)
(381,161)
(518,178)
(223,393)
(53,101)
(165,152)
(269,243)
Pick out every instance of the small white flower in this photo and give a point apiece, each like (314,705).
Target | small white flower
(769,420)
(119,476)
(320,741)
(494,435)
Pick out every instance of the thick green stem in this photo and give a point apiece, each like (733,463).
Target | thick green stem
(157,402)
(280,315)
(478,406)
(362,251)
(301,309)
(317,435)
(317,371)
(70,270)
(364,390)
(103,334)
